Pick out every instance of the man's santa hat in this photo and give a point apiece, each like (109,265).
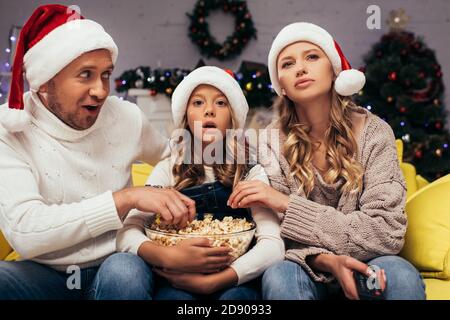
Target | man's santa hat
(348,82)
(51,39)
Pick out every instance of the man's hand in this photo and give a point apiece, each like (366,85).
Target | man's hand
(173,206)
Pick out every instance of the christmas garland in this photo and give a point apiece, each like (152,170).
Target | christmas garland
(252,77)
(156,81)
(235,43)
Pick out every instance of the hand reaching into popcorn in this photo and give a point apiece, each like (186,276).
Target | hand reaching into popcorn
(172,206)
(256,193)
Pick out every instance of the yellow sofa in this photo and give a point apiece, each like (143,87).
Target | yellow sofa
(427,240)
(140,173)
(5,248)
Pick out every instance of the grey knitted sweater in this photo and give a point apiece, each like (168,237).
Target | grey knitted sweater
(363,225)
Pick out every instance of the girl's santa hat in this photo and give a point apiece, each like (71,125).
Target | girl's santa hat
(348,82)
(217,78)
(51,39)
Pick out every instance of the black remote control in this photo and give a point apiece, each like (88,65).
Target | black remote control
(367,289)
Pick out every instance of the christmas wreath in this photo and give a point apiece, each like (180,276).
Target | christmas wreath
(234,44)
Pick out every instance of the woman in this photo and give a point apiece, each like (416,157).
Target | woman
(335,178)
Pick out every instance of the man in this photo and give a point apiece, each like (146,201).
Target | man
(66,149)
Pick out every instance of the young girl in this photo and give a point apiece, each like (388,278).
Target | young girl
(335,177)
(212,100)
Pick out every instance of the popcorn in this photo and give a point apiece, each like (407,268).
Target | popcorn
(232,232)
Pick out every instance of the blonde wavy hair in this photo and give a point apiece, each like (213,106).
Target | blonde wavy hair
(340,143)
(229,174)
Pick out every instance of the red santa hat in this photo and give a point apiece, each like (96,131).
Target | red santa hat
(348,82)
(50,40)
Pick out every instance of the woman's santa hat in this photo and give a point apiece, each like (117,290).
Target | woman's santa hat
(348,82)
(217,78)
(50,40)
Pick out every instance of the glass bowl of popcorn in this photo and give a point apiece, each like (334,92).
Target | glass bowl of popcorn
(236,233)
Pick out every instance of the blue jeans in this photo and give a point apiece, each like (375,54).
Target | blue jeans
(247,291)
(121,276)
(289,281)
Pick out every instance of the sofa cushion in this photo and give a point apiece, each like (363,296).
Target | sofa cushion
(427,240)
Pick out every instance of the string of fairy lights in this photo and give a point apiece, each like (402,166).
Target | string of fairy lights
(5,70)
(254,83)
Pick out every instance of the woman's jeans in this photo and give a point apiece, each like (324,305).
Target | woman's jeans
(289,281)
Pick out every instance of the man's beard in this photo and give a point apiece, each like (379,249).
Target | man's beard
(55,107)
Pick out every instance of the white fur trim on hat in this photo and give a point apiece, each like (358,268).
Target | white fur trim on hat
(14,120)
(217,78)
(349,82)
(304,31)
(63,45)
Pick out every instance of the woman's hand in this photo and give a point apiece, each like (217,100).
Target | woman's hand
(257,193)
(343,267)
(199,283)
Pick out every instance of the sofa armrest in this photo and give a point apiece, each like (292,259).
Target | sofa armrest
(409,173)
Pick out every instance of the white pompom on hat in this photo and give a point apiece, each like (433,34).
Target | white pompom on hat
(348,82)
(217,78)
(50,40)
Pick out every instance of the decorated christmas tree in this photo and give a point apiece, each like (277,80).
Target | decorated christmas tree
(404,87)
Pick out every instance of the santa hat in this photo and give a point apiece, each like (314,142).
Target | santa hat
(348,82)
(217,78)
(50,40)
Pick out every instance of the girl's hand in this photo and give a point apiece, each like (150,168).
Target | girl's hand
(200,283)
(196,255)
(192,282)
(257,193)
(173,206)
(343,267)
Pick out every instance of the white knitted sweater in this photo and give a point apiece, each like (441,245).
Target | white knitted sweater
(56,183)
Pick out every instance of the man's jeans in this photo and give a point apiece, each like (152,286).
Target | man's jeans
(120,276)
(289,281)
